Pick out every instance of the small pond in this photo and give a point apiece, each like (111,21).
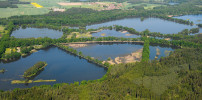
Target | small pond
(36,33)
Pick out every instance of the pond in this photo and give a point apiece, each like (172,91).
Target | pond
(197,19)
(153,24)
(62,66)
(113,50)
(36,33)
(114,33)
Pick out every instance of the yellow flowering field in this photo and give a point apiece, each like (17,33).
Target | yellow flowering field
(36,5)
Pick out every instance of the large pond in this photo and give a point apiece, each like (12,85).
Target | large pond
(153,24)
(36,33)
(113,50)
(197,19)
(61,66)
(114,33)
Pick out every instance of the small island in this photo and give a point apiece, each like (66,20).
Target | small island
(2,70)
(34,70)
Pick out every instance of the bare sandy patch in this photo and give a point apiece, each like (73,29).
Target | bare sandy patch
(128,34)
(123,31)
(133,57)
(77,45)
(103,34)
(167,39)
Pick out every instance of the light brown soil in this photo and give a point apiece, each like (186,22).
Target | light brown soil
(124,31)
(77,45)
(128,34)
(133,57)
(167,39)
(103,34)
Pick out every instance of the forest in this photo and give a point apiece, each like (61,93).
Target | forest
(177,76)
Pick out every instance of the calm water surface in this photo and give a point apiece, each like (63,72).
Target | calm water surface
(61,66)
(153,24)
(113,50)
(36,33)
(197,19)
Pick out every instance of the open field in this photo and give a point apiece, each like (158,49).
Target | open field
(24,9)
(1,28)
(147,6)
(93,5)
(37,7)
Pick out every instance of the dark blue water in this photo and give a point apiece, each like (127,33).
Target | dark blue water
(104,51)
(153,24)
(36,33)
(61,66)
(114,33)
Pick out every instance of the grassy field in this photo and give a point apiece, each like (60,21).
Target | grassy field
(46,5)
(95,6)
(146,5)
(1,28)
(29,9)
(24,9)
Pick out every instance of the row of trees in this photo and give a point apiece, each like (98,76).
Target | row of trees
(146,51)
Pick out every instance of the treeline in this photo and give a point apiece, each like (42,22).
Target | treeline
(11,3)
(34,70)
